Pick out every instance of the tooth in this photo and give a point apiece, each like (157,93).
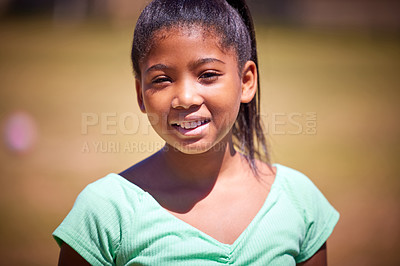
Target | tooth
(193,124)
(198,123)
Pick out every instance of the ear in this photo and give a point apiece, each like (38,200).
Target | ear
(249,81)
(139,95)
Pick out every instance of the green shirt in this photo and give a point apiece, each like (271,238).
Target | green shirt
(114,222)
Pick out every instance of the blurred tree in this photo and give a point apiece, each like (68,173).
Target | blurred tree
(28,7)
(375,14)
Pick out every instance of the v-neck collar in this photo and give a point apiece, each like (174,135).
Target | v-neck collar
(268,203)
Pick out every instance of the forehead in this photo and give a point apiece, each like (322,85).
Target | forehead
(190,39)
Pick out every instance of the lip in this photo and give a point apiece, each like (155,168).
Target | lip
(191,127)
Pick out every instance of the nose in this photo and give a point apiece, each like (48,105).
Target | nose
(186,95)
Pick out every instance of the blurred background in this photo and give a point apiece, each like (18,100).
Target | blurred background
(330,97)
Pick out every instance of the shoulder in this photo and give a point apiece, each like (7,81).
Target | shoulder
(109,198)
(112,189)
(292,180)
(303,193)
(288,172)
(101,213)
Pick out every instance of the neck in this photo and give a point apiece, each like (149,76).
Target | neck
(198,170)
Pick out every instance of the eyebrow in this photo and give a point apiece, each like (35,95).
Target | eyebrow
(192,65)
(156,67)
(203,61)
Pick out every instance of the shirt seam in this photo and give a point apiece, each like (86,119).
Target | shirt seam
(87,255)
(309,252)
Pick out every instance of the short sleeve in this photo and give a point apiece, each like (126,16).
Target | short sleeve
(92,228)
(320,219)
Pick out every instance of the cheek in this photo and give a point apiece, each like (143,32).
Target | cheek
(225,108)
(157,108)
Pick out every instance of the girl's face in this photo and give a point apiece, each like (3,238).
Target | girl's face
(191,89)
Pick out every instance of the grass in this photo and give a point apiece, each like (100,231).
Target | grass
(348,79)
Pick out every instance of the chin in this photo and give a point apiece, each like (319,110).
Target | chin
(192,149)
(197,148)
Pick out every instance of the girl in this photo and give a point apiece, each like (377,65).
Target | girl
(209,196)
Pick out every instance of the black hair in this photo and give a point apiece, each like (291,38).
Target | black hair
(232,21)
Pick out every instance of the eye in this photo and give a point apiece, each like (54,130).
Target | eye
(160,79)
(209,76)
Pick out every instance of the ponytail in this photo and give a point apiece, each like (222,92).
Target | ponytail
(248,128)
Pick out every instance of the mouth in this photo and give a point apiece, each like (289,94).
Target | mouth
(191,124)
